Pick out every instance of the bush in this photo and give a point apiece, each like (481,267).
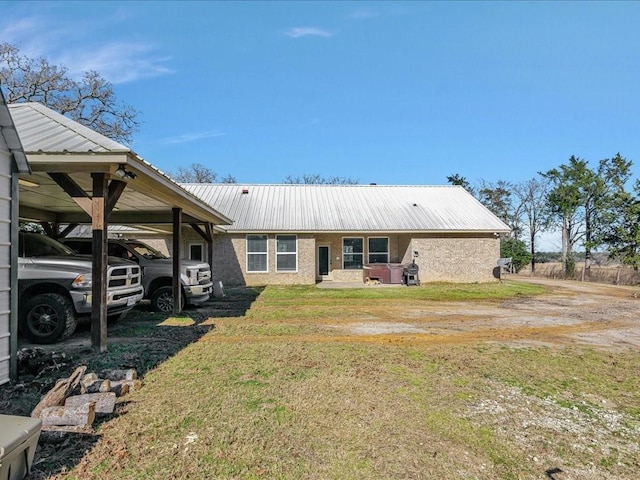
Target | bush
(517,251)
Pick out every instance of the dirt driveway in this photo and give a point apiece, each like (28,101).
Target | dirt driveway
(572,313)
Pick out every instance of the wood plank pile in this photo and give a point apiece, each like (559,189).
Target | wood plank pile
(73,403)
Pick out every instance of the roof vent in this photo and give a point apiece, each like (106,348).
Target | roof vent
(245,190)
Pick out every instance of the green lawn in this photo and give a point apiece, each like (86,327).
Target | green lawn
(277,395)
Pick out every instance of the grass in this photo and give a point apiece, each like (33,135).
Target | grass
(269,396)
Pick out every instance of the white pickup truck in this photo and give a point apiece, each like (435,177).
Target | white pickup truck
(54,288)
(157,272)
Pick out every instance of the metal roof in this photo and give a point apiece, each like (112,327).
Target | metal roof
(61,135)
(348,208)
(54,143)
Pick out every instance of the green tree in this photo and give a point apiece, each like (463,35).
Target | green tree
(580,195)
(457,179)
(498,197)
(565,200)
(89,101)
(621,227)
(517,251)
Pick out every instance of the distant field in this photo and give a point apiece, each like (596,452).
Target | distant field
(613,274)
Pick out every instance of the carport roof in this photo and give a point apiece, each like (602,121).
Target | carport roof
(55,144)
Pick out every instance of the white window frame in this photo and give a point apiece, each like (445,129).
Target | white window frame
(265,253)
(195,244)
(377,253)
(351,253)
(278,254)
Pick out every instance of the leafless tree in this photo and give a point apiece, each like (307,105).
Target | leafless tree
(533,198)
(199,173)
(317,179)
(90,101)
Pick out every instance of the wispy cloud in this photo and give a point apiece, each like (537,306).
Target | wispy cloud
(117,62)
(297,32)
(191,137)
(362,14)
(79,48)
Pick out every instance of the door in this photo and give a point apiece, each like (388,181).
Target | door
(324,256)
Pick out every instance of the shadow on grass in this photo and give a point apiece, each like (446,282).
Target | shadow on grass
(138,341)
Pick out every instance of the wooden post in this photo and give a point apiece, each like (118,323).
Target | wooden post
(99,266)
(177,241)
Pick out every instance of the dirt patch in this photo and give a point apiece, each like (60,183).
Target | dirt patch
(572,313)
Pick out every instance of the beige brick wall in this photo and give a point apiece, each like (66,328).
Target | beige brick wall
(229,264)
(460,259)
(446,258)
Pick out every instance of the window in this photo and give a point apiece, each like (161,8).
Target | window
(196,251)
(352,253)
(286,253)
(378,250)
(257,253)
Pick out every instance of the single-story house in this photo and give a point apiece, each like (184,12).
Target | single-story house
(303,234)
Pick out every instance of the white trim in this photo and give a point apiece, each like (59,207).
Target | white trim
(202,252)
(356,253)
(378,253)
(266,252)
(286,253)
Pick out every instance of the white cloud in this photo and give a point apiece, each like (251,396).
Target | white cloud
(118,62)
(363,14)
(191,137)
(297,32)
(78,47)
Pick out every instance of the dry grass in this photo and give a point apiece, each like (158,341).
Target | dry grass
(286,397)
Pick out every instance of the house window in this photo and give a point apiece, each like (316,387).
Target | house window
(378,250)
(286,253)
(196,251)
(352,253)
(257,253)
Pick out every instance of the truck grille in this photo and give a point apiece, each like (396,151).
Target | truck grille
(204,275)
(129,276)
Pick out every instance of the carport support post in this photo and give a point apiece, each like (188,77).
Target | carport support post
(99,265)
(177,241)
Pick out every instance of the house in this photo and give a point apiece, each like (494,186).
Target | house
(302,234)
(12,162)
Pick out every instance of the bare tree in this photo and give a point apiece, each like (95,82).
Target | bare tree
(90,101)
(317,179)
(199,173)
(533,199)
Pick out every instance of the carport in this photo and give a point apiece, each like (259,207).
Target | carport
(79,176)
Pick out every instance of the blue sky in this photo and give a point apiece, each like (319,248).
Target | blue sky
(386,92)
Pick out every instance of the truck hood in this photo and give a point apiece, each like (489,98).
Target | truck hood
(72,262)
(183,261)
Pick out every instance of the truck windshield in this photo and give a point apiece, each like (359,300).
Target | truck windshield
(145,250)
(36,245)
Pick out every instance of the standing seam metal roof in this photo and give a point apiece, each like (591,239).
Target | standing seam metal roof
(348,208)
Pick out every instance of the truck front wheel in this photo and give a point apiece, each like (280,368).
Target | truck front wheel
(162,300)
(47,318)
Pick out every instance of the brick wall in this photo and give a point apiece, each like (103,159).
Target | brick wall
(444,258)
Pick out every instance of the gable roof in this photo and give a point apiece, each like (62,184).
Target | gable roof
(54,143)
(45,130)
(348,208)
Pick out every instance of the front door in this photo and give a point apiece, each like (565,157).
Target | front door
(324,256)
